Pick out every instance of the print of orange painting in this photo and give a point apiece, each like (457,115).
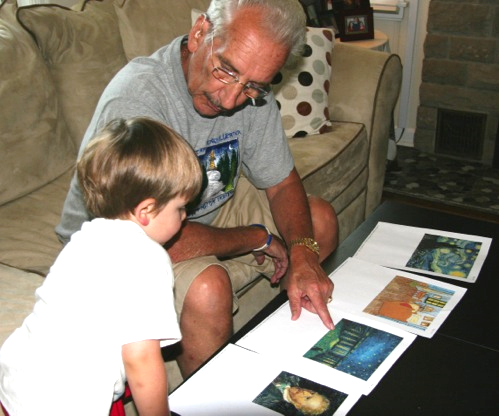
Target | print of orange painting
(409,302)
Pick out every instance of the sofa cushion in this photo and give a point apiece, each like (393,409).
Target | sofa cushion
(301,88)
(142,23)
(83,51)
(34,145)
(17,298)
(27,237)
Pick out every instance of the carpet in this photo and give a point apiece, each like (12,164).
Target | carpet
(460,183)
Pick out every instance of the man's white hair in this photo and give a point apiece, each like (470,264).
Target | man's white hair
(284,20)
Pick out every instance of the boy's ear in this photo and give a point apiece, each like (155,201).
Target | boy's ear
(144,211)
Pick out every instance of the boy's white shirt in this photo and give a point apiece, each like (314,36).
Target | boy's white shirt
(111,285)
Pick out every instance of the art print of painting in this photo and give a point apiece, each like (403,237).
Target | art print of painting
(292,395)
(440,254)
(410,302)
(434,252)
(354,348)
(237,381)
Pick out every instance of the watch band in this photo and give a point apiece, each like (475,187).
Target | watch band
(269,237)
(308,242)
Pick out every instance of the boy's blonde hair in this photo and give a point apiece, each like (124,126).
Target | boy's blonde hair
(135,159)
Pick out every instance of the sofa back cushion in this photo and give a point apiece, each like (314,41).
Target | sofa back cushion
(147,25)
(34,145)
(82,50)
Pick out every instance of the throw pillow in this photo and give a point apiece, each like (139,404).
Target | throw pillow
(301,88)
(82,50)
(34,145)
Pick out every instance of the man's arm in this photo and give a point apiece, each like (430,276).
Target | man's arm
(195,240)
(307,284)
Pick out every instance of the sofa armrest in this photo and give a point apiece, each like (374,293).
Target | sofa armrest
(365,86)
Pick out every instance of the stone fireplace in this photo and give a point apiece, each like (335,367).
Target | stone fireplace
(458,113)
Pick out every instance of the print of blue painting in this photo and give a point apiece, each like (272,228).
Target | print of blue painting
(354,348)
(445,255)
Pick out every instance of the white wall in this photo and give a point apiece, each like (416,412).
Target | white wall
(406,37)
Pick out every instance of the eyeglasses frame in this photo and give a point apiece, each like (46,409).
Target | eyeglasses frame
(261,91)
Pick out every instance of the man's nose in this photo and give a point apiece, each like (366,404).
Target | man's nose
(232,95)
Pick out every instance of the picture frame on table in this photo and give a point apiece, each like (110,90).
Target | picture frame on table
(355,24)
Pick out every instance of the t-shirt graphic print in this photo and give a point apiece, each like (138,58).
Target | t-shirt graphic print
(220,163)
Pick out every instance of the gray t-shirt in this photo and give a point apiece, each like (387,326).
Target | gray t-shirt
(251,139)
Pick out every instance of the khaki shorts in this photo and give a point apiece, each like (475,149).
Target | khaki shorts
(248,206)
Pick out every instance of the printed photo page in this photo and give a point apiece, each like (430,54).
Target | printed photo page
(398,298)
(423,250)
(241,382)
(357,353)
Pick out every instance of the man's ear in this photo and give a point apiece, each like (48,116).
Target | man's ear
(198,33)
(144,211)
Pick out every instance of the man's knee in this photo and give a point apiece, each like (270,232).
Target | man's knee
(210,290)
(325,223)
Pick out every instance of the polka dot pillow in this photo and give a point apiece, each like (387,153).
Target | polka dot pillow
(301,87)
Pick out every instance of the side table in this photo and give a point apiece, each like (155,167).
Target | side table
(379,43)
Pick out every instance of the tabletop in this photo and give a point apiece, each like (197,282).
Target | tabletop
(457,370)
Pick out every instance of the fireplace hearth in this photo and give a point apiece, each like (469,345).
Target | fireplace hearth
(458,114)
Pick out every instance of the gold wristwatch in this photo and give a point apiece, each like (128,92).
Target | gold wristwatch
(310,243)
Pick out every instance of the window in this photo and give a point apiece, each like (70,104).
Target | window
(389,9)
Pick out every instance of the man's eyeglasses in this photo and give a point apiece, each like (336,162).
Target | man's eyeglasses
(250,89)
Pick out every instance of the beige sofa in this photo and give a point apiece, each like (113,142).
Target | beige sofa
(54,63)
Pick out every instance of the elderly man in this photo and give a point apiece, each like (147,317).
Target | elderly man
(213,87)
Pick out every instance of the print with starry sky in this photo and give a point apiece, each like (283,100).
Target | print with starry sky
(354,348)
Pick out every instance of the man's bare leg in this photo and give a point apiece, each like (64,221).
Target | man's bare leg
(325,224)
(206,318)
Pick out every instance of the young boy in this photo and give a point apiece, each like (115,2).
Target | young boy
(106,307)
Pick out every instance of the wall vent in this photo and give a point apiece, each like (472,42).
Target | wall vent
(460,133)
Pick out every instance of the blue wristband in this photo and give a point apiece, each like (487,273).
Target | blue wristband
(269,237)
